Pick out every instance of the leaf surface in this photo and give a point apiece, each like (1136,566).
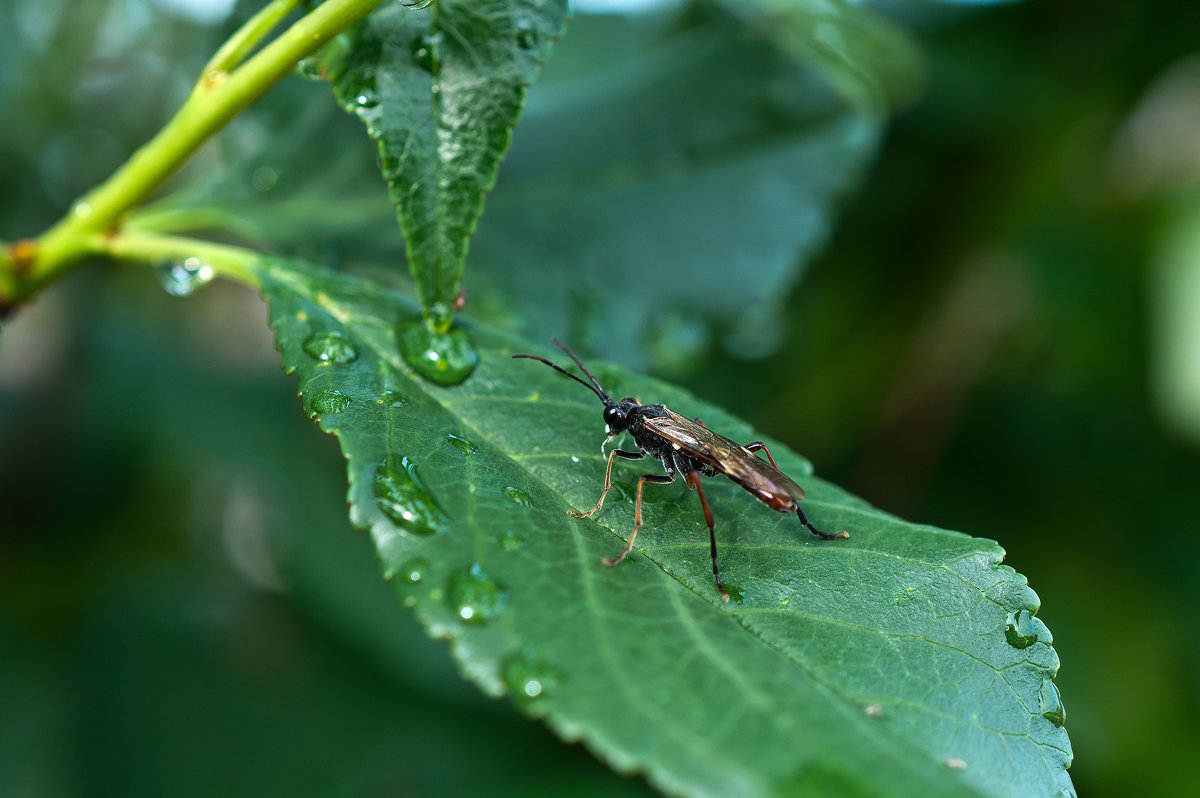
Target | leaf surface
(440,89)
(670,174)
(849,667)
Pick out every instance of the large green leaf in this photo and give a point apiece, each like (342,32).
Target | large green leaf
(860,666)
(440,89)
(678,157)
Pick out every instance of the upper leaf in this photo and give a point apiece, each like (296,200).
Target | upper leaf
(856,667)
(440,90)
(679,157)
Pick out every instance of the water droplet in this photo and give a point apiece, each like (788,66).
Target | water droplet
(1024,629)
(954,763)
(330,401)
(182,278)
(413,571)
(427,52)
(528,677)
(264,179)
(444,358)
(402,498)
(574,459)
(417,5)
(527,36)
(1052,706)
(873,710)
(83,210)
(394,399)
(475,597)
(331,347)
(462,444)
(511,541)
(519,496)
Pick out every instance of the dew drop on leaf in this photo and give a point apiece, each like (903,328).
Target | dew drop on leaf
(417,5)
(474,597)
(462,444)
(511,541)
(528,677)
(402,498)
(444,358)
(413,571)
(331,347)
(394,399)
(183,278)
(527,36)
(1052,706)
(427,52)
(519,496)
(735,593)
(1024,629)
(330,400)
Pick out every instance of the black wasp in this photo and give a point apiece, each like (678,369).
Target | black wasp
(688,447)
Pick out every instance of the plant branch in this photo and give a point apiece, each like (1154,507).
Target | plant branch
(216,99)
(244,40)
(234,263)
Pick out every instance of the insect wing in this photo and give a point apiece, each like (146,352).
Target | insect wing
(727,456)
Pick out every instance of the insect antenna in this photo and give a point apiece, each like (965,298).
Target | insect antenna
(594,386)
(603,394)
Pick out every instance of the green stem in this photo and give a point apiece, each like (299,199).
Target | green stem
(247,37)
(234,263)
(206,110)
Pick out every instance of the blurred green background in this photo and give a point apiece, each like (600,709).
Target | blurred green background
(1002,336)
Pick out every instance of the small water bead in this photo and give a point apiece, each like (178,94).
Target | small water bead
(1052,708)
(184,278)
(330,401)
(417,5)
(528,677)
(1024,629)
(528,37)
(413,571)
(402,498)
(518,496)
(462,444)
(474,597)
(394,399)
(331,347)
(511,541)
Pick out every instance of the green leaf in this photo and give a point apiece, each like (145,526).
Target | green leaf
(664,158)
(859,667)
(871,60)
(440,90)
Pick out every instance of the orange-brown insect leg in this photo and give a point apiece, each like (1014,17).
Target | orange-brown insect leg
(816,531)
(608,480)
(660,479)
(693,481)
(754,447)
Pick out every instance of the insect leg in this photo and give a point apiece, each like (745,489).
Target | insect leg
(754,447)
(816,531)
(608,479)
(693,481)
(659,479)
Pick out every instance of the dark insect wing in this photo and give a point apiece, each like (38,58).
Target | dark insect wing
(727,456)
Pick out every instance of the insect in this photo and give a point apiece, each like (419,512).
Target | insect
(689,448)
